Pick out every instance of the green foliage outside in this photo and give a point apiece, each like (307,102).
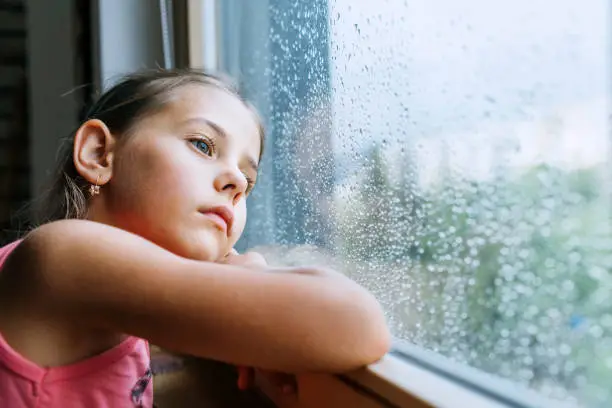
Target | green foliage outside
(512,275)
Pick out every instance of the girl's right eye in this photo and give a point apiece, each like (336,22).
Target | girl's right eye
(204,145)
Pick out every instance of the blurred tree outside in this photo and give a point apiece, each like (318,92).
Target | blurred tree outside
(504,274)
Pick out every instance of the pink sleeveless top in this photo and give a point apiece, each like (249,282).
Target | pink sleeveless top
(120,377)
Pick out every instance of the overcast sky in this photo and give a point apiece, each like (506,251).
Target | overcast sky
(480,72)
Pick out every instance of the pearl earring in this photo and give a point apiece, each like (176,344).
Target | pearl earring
(94,189)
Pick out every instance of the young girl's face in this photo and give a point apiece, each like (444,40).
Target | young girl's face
(182,177)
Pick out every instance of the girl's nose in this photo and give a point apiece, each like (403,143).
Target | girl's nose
(231,182)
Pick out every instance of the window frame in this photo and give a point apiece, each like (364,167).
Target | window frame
(408,376)
(196,42)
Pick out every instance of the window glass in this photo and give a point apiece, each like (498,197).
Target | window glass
(453,157)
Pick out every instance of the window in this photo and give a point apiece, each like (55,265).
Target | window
(452,156)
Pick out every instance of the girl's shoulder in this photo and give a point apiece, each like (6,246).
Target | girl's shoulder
(64,234)
(65,241)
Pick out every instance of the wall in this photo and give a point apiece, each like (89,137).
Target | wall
(72,48)
(14,161)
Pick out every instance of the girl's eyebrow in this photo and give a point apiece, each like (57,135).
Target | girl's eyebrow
(253,164)
(201,120)
(219,131)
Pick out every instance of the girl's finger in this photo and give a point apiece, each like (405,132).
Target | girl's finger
(246,378)
(287,383)
(232,252)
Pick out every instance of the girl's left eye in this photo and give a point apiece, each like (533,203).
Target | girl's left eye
(203,145)
(250,184)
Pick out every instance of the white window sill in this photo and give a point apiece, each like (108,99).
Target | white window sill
(396,381)
(388,383)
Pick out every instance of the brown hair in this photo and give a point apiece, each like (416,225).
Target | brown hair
(120,108)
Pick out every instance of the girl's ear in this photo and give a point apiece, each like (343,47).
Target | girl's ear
(93,152)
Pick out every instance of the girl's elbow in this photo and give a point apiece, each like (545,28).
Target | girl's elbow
(369,349)
(376,339)
(369,332)
(379,342)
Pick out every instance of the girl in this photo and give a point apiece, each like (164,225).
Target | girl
(137,246)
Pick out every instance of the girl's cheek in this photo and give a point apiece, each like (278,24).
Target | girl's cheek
(239,224)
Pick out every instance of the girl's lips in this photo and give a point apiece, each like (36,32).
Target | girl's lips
(221,216)
(217,220)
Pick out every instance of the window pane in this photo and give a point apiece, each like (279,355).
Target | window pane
(452,156)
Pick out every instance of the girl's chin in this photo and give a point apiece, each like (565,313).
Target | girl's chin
(201,244)
(205,248)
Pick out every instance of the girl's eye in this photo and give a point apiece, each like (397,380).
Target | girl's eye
(250,184)
(205,146)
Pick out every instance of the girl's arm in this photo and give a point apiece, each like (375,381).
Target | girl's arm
(303,320)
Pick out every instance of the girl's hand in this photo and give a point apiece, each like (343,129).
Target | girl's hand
(285,382)
(249,259)
(246,375)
